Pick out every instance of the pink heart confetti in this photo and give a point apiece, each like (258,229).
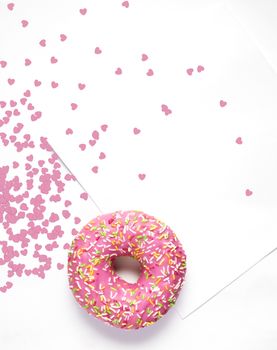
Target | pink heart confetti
(63,37)
(97,51)
(94,169)
(10,6)
(81,86)
(189,71)
(118,71)
(42,43)
(144,57)
(136,131)
(83,11)
(248,193)
(125,4)
(150,72)
(74,106)
(24,23)
(222,103)
(141,176)
(200,69)
(239,140)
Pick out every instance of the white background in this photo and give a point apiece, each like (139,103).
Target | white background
(244,316)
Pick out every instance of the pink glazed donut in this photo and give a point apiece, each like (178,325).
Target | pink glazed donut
(97,287)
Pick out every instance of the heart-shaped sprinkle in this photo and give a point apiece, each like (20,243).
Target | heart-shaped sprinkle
(74,106)
(248,193)
(3,64)
(84,195)
(11,81)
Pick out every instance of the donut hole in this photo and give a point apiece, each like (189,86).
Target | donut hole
(128,268)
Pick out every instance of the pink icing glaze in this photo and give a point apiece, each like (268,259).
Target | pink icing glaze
(104,294)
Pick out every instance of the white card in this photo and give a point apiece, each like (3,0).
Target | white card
(202,97)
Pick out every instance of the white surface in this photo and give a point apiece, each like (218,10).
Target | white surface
(230,316)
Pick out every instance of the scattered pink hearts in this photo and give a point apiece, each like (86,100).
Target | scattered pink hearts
(37,83)
(53,60)
(82,146)
(60,266)
(239,140)
(104,127)
(54,84)
(74,106)
(102,155)
(118,71)
(10,6)
(84,195)
(150,73)
(13,103)
(125,4)
(69,131)
(3,104)
(42,43)
(15,164)
(3,64)
(248,193)
(63,37)
(81,86)
(94,169)
(24,23)
(83,11)
(11,81)
(27,62)
(200,69)
(136,131)
(166,110)
(144,57)
(189,71)
(222,103)
(141,176)
(97,51)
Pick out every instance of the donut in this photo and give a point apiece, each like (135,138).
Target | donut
(102,292)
